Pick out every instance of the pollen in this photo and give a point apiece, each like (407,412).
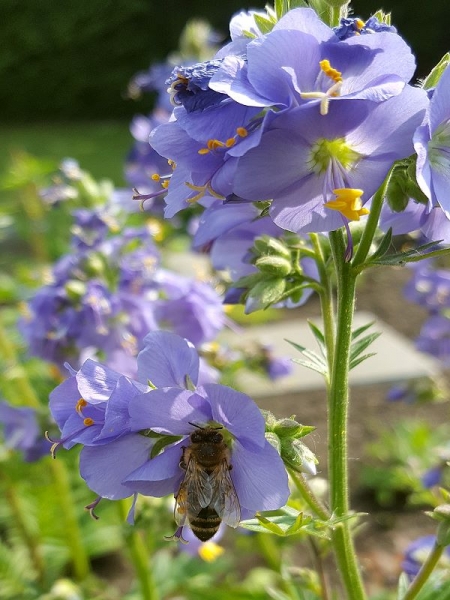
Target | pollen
(80,405)
(88,422)
(348,203)
(333,74)
(156,177)
(210,551)
(359,23)
(242,132)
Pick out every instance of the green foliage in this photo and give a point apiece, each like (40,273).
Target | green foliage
(400,458)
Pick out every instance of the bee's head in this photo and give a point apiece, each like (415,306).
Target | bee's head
(206,434)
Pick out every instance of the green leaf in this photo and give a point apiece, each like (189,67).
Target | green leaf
(383,247)
(311,366)
(403,585)
(436,72)
(414,255)
(359,346)
(310,354)
(264,25)
(358,361)
(319,336)
(360,330)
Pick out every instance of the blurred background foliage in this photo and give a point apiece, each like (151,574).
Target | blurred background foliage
(70,60)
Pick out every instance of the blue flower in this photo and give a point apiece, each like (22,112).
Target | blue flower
(432,144)
(22,432)
(112,416)
(350,27)
(304,157)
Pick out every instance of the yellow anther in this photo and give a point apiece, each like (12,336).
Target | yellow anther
(204,151)
(242,132)
(230,142)
(171,163)
(348,203)
(333,74)
(209,551)
(80,405)
(359,23)
(165,184)
(88,422)
(156,177)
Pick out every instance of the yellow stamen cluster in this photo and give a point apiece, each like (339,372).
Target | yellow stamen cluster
(348,203)
(213,144)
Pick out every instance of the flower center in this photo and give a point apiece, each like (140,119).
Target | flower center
(324,151)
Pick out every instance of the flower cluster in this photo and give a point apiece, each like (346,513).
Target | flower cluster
(311,128)
(21,431)
(109,292)
(135,433)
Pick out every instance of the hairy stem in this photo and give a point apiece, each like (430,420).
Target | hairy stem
(338,403)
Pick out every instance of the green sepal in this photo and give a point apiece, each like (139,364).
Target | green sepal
(248,281)
(297,456)
(274,265)
(289,428)
(268,292)
(432,79)
(164,441)
(442,514)
(274,441)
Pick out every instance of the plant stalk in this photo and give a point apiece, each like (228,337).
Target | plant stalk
(338,403)
(425,572)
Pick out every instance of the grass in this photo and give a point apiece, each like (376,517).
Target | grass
(100,147)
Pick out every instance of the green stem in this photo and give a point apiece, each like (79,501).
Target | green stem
(140,558)
(306,493)
(326,299)
(338,402)
(371,224)
(425,572)
(25,391)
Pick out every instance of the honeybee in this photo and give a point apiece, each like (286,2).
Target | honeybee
(206,495)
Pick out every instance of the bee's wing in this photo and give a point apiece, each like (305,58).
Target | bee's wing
(224,499)
(194,494)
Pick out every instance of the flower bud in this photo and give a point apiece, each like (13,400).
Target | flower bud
(274,265)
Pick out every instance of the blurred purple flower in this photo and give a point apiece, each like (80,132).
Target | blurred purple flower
(417,552)
(21,431)
(434,338)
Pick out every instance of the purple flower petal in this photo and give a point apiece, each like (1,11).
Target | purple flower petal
(105,467)
(96,382)
(168,410)
(259,477)
(167,360)
(159,476)
(238,413)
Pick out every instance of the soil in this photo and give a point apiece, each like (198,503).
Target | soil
(384,534)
